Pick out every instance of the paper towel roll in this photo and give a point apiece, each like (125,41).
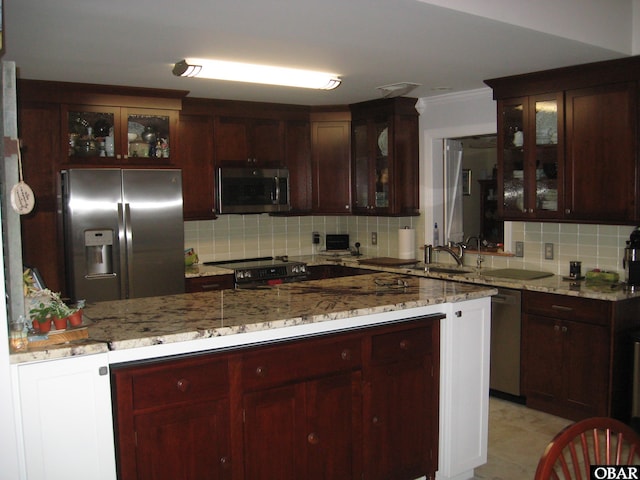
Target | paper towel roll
(407,243)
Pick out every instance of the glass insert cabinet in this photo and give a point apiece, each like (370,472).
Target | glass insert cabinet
(530,138)
(105,134)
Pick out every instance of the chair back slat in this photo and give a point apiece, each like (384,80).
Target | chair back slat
(594,441)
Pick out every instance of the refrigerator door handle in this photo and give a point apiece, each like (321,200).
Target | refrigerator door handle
(122,241)
(129,242)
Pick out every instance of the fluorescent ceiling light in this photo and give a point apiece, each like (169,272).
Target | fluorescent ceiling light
(246,72)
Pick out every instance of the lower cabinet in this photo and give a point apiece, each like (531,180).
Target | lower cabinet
(66,422)
(358,404)
(567,355)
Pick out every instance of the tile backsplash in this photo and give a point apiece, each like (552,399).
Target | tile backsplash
(245,236)
(596,246)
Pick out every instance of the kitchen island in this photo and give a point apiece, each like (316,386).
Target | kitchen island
(152,329)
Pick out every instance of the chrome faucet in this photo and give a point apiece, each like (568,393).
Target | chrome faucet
(478,243)
(457,255)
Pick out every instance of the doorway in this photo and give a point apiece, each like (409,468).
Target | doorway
(471,189)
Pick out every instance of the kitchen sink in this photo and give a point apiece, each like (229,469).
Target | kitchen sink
(516,274)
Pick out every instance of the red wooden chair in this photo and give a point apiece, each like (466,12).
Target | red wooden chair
(594,441)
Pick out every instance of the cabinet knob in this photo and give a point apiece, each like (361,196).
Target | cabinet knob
(405,344)
(261,371)
(458,313)
(564,329)
(224,461)
(567,210)
(313,438)
(183,384)
(375,420)
(345,354)
(556,328)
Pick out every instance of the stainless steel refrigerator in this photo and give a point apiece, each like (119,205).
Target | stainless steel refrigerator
(124,234)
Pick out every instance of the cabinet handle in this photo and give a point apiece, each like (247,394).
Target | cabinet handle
(375,420)
(224,461)
(458,313)
(345,354)
(564,329)
(556,328)
(261,371)
(568,210)
(313,438)
(183,384)
(562,308)
(405,344)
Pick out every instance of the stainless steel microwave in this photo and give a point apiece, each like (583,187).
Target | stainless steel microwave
(252,190)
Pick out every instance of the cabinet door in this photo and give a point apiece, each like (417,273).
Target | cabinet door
(542,360)
(195,158)
(601,153)
(585,366)
(66,419)
(308,430)
(400,428)
(331,167)
(248,142)
(274,436)
(188,442)
(512,171)
(298,160)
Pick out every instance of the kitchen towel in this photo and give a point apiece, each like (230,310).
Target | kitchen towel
(406,243)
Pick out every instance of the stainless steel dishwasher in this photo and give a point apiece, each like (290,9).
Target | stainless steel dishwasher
(505,341)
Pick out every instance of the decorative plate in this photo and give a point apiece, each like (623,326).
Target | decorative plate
(383,142)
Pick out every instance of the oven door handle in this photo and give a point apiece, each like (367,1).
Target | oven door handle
(276,190)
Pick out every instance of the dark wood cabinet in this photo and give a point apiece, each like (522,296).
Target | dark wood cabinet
(208,283)
(568,143)
(298,161)
(331,166)
(385,158)
(576,355)
(602,150)
(195,158)
(173,419)
(399,429)
(340,405)
(248,142)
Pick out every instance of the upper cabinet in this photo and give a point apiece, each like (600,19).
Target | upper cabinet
(568,143)
(330,162)
(530,157)
(252,142)
(384,139)
(99,134)
(103,126)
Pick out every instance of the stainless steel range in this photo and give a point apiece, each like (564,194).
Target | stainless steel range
(255,272)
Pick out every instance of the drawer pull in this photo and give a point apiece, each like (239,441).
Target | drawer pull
(313,438)
(405,344)
(224,461)
(556,328)
(562,308)
(345,354)
(564,329)
(183,384)
(261,371)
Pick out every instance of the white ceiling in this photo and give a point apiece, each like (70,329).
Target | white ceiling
(368,42)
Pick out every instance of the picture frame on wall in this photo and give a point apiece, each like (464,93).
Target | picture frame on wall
(466,182)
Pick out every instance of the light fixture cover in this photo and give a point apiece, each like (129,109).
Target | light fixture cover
(252,73)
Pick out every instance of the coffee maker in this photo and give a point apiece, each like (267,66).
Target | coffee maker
(631,261)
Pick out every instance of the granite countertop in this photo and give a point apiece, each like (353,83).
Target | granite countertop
(126,324)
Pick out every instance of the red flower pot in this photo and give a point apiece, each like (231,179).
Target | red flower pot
(75,319)
(60,323)
(44,327)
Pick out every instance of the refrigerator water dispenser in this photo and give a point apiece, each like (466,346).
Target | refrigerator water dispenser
(98,249)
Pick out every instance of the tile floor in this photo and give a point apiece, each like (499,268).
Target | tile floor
(517,437)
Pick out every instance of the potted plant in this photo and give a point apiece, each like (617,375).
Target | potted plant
(75,317)
(41,317)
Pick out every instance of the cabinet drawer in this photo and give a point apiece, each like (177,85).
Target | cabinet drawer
(401,345)
(186,380)
(567,307)
(301,360)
